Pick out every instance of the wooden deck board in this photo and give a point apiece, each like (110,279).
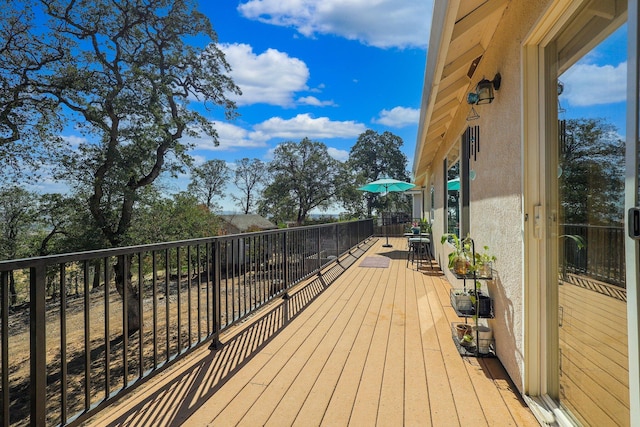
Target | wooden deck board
(594,361)
(374,348)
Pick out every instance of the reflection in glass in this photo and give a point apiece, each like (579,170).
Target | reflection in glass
(592,324)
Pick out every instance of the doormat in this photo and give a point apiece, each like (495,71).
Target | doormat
(375,262)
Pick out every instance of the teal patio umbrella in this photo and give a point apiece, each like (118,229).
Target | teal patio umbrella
(453,184)
(384,186)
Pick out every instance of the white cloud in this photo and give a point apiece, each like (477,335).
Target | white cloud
(234,138)
(398,117)
(231,138)
(312,100)
(74,140)
(380,23)
(590,84)
(303,125)
(272,77)
(341,155)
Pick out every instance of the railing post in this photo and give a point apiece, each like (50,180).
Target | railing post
(335,233)
(4,345)
(285,260)
(38,369)
(216,315)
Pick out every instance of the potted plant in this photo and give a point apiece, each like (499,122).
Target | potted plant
(460,258)
(463,329)
(481,303)
(484,262)
(461,301)
(467,340)
(425,226)
(415,228)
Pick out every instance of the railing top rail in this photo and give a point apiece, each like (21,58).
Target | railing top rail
(15,264)
(614,227)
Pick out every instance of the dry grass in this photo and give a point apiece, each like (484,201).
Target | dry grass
(182,320)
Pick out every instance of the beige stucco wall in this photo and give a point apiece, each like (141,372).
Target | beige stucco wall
(496,215)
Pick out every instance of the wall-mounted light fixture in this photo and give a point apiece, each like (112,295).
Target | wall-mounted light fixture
(484,91)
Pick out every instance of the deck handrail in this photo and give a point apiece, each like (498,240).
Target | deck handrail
(83,352)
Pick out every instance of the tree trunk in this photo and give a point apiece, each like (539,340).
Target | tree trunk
(96,274)
(123,283)
(12,289)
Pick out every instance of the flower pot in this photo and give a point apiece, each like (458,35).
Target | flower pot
(484,270)
(461,266)
(485,338)
(461,302)
(484,306)
(415,230)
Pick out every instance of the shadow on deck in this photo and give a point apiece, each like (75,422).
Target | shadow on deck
(358,346)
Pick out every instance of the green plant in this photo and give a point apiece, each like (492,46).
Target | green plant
(425,226)
(483,260)
(467,340)
(462,249)
(579,240)
(484,257)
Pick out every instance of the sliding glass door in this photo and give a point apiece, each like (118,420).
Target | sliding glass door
(587,240)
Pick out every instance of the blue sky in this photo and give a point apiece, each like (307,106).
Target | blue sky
(330,69)
(323,69)
(596,86)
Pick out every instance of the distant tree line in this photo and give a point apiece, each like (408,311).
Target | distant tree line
(126,75)
(301,177)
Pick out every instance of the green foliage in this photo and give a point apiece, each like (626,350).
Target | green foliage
(303,177)
(161,219)
(17,216)
(462,248)
(592,179)
(375,156)
(124,76)
(249,175)
(208,181)
(484,257)
(29,121)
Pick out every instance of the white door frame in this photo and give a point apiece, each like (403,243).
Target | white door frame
(539,124)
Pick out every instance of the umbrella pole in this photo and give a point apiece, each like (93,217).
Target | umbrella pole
(386,232)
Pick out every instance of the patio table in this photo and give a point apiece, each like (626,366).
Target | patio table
(419,247)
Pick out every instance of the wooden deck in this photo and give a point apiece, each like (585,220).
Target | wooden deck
(594,382)
(372,348)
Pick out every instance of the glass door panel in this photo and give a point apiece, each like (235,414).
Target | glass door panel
(593,363)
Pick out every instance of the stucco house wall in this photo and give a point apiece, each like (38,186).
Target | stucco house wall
(495,207)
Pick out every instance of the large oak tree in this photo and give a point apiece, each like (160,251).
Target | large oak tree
(375,156)
(126,77)
(303,177)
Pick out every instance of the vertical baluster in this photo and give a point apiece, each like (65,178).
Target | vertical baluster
(217,315)
(4,344)
(178,297)
(167,274)
(207,249)
(243,273)
(87,336)
(141,311)
(125,319)
(189,284)
(231,256)
(38,344)
(107,327)
(199,284)
(63,344)
(154,296)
